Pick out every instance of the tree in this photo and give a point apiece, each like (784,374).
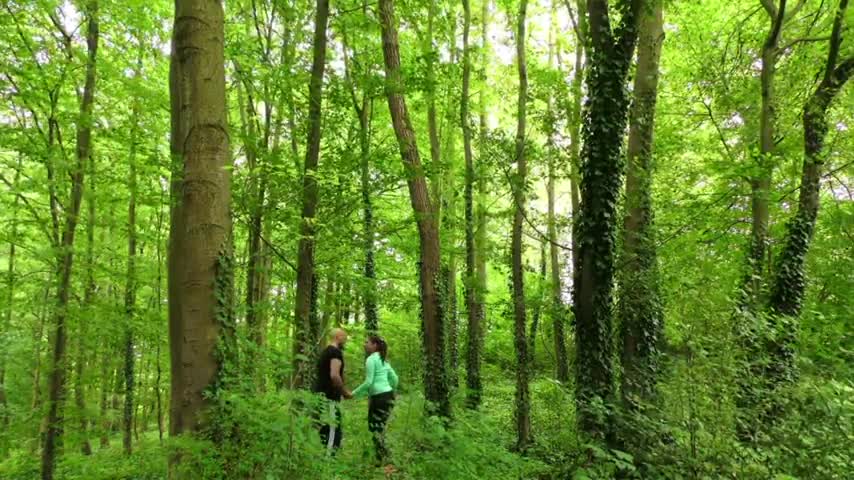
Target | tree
(789,282)
(475,239)
(602,169)
(639,305)
(200,248)
(435,381)
(558,310)
(523,402)
(307,331)
(65,260)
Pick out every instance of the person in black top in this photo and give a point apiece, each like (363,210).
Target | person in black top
(329,381)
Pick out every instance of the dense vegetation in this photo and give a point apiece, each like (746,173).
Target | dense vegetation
(603,239)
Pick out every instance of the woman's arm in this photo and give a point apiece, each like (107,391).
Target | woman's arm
(370,369)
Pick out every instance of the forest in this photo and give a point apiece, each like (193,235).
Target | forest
(577,239)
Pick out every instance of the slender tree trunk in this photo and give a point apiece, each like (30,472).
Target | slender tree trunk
(6,321)
(557,308)
(371,316)
(474,309)
(306,330)
(639,307)
(130,295)
(748,331)
(435,382)
(602,170)
(760,183)
(56,392)
(159,309)
(575,121)
(38,333)
(88,301)
(523,402)
(257,274)
(200,248)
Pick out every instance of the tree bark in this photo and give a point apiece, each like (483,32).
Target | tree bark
(518,184)
(200,249)
(130,292)
(88,302)
(6,321)
(474,309)
(57,380)
(639,306)
(760,183)
(602,170)
(558,310)
(575,121)
(307,334)
(435,382)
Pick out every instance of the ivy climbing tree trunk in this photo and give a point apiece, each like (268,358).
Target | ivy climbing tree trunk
(610,53)
(58,367)
(639,306)
(518,184)
(435,381)
(307,331)
(789,283)
(200,248)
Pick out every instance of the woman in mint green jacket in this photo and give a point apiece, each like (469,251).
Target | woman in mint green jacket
(379,385)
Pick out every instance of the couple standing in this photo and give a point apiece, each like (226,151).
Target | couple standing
(379,385)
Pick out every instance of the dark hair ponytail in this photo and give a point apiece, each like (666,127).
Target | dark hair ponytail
(382,347)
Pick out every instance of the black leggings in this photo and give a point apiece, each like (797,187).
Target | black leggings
(379,409)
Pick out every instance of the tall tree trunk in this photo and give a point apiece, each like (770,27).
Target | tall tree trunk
(602,170)
(575,121)
(307,334)
(639,307)
(523,402)
(88,301)
(432,124)
(435,382)
(56,392)
(159,309)
(130,292)
(789,283)
(364,113)
(760,183)
(557,308)
(6,320)
(257,273)
(371,316)
(748,329)
(474,310)
(475,339)
(200,248)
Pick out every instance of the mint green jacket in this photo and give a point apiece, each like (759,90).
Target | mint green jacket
(379,377)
